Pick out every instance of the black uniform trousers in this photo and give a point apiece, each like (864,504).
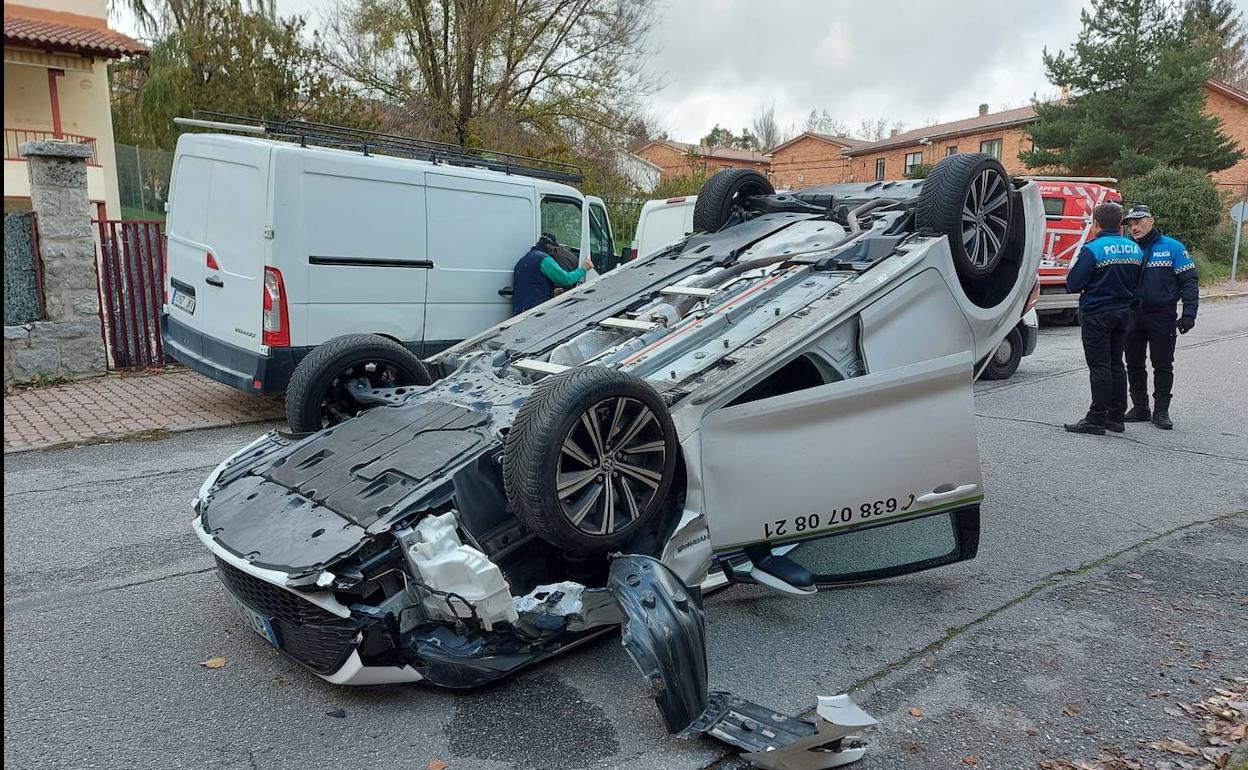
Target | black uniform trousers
(1151,339)
(1104,334)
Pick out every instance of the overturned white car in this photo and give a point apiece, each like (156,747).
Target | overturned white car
(784,398)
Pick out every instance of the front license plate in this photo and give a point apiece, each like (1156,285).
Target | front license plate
(184,302)
(254,620)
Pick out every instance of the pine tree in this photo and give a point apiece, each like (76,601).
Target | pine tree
(1222,25)
(1136,80)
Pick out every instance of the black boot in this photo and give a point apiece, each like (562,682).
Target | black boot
(1083,426)
(1114,423)
(1161,418)
(1138,413)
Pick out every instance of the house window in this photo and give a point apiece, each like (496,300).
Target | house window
(879,169)
(951,150)
(913,159)
(991,147)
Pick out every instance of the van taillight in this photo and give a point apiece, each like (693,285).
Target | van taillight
(212,262)
(276,314)
(675,200)
(1033,298)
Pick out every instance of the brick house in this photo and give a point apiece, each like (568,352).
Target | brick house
(56,55)
(1004,134)
(1231,105)
(678,159)
(812,159)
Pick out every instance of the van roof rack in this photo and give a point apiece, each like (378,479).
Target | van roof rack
(340,137)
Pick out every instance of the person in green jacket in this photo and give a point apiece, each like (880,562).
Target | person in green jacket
(538,274)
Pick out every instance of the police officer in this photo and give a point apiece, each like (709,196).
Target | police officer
(538,273)
(1105,272)
(1169,274)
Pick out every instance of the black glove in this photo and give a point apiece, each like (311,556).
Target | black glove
(1186,324)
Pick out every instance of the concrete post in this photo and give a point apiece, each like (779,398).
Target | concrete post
(69,342)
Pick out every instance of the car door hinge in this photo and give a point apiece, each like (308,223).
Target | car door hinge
(268,232)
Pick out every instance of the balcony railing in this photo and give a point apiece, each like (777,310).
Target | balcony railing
(14,138)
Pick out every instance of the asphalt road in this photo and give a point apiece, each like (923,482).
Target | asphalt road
(110,603)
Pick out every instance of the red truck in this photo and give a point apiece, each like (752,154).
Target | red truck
(1068,204)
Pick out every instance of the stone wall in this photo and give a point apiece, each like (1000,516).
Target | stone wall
(68,342)
(52,349)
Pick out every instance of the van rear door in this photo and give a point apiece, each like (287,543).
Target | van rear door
(216,249)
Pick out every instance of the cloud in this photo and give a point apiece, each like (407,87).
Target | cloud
(916,61)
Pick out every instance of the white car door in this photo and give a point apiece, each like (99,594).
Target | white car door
(895,443)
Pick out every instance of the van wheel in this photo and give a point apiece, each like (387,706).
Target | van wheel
(969,198)
(318,395)
(589,460)
(722,193)
(1005,359)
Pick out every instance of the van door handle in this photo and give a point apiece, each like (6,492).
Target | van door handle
(214,280)
(506,292)
(946,492)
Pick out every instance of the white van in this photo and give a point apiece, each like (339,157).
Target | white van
(661,223)
(276,248)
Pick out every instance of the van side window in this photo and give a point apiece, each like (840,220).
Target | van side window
(1054,207)
(561,217)
(601,248)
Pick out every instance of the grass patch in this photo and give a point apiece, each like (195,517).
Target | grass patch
(151,434)
(135,213)
(40,381)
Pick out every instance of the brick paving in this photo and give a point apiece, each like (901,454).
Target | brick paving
(119,404)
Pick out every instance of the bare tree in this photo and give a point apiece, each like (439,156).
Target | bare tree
(822,122)
(159,18)
(766,131)
(511,73)
(875,129)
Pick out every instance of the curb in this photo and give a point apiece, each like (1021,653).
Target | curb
(146,434)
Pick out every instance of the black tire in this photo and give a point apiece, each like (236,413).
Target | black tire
(720,193)
(1005,359)
(537,456)
(316,396)
(977,184)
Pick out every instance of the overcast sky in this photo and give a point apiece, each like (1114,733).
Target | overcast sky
(914,61)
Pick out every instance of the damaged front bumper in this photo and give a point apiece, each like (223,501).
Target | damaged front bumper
(663,632)
(665,635)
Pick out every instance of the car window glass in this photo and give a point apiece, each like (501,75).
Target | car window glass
(562,218)
(1054,207)
(886,547)
(602,250)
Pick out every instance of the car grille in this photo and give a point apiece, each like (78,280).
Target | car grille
(314,636)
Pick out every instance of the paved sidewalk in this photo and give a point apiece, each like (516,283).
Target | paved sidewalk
(1221,290)
(117,405)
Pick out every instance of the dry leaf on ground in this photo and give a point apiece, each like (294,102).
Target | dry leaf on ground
(437,764)
(1174,746)
(915,712)
(217,662)
(1071,710)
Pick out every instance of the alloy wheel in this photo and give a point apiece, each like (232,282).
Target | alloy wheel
(610,465)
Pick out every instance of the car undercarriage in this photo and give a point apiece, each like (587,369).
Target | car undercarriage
(797,372)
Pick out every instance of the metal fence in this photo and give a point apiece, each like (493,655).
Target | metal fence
(143,182)
(624,213)
(14,138)
(23,287)
(132,280)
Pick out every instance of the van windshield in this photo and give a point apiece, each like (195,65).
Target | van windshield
(561,217)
